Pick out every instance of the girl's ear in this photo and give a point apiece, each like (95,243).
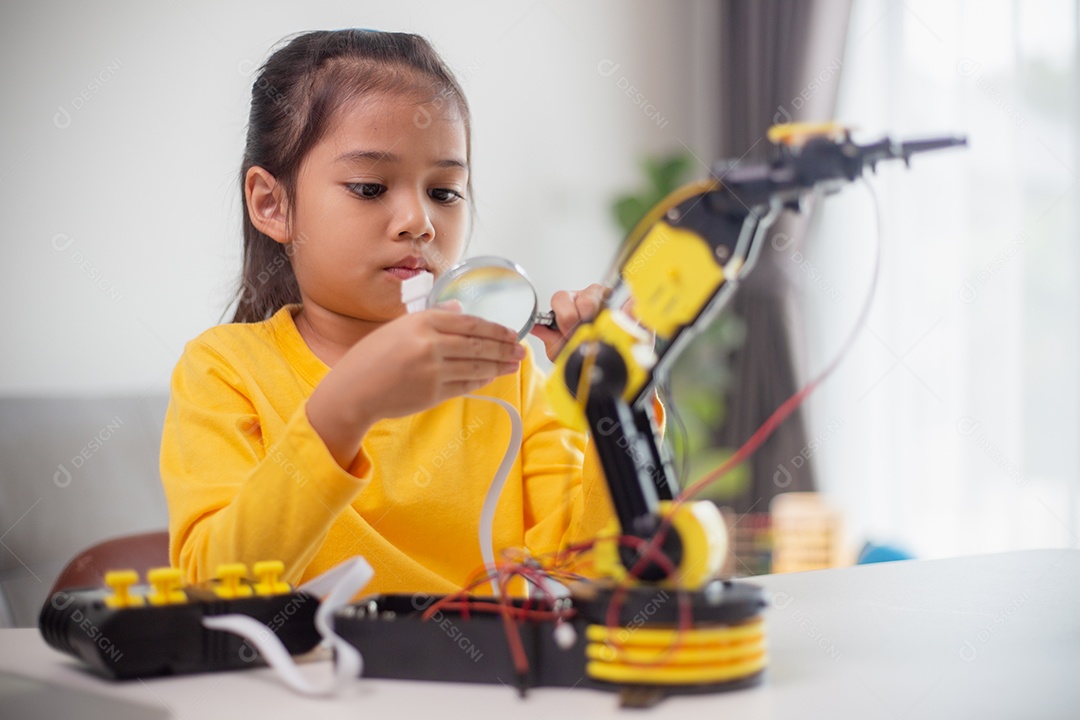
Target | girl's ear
(266,204)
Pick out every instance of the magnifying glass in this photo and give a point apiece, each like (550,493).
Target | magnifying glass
(495,289)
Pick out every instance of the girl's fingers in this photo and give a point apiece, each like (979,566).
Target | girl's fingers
(565,308)
(588,301)
(546,335)
(572,308)
(455,323)
(464,387)
(462,347)
(456,371)
(453,306)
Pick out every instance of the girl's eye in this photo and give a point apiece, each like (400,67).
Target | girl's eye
(446,195)
(368,191)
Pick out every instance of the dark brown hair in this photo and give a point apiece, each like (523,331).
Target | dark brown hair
(293,99)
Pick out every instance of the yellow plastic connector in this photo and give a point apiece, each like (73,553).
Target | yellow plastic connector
(795,134)
(231,576)
(268,574)
(166,583)
(120,581)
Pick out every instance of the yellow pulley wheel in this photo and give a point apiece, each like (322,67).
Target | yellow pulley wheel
(676,674)
(664,637)
(670,656)
(680,655)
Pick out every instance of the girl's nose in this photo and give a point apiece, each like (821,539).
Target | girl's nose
(411,220)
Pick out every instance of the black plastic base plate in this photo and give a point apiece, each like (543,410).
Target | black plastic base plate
(397,643)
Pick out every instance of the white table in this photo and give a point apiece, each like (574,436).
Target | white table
(982,637)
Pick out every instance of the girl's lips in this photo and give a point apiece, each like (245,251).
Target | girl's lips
(404,273)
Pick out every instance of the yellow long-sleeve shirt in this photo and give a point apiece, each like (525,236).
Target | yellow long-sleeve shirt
(247,478)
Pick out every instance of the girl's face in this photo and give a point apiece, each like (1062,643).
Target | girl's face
(378,199)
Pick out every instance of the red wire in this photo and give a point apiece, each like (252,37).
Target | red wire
(792,403)
(754,442)
(649,553)
(619,596)
(518,613)
(501,576)
(788,406)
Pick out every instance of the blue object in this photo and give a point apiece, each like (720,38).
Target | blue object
(872,553)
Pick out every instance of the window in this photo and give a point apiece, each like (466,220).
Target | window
(955,420)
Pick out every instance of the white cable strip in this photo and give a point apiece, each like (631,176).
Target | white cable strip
(487,515)
(339,585)
(409,288)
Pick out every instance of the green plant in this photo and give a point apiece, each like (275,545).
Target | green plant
(662,175)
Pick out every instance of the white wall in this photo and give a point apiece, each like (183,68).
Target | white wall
(123,123)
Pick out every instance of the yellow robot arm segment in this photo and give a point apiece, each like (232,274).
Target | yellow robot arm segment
(672,275)
(612,328)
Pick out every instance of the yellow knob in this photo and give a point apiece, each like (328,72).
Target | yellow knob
(166,583)
(120,581)
(268,574)
(231,585)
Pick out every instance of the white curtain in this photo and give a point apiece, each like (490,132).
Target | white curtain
(953,426)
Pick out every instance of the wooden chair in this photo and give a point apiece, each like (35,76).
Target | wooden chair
(139,552)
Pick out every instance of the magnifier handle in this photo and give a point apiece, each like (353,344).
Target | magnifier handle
(547,319)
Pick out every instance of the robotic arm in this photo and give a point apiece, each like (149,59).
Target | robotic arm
(682,264)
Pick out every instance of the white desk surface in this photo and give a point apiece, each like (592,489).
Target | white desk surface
(990,636)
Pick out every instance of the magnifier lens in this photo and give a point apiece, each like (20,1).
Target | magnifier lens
(491,288)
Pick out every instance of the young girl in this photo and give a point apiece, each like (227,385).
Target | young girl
(325,422)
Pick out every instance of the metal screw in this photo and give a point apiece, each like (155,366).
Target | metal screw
(714,592)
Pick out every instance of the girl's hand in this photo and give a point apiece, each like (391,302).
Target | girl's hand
(570,308)
(409,364)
